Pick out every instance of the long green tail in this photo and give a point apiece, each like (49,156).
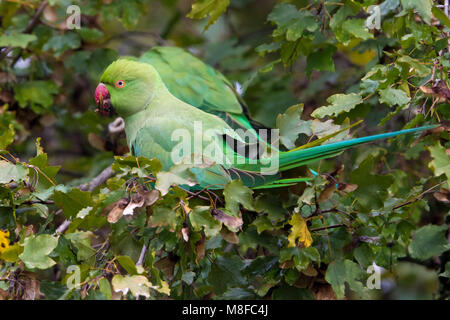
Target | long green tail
(299,157)
(292,159)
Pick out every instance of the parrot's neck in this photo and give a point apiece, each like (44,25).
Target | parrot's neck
(132,125)
(154,108)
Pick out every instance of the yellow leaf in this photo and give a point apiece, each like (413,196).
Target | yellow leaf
(299,231)
(4,241)
(354,55)
(164,288)
(212,8)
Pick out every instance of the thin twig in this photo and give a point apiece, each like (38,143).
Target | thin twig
(142,255)
(420,196)
(63,226)
(327,227)
(98,180)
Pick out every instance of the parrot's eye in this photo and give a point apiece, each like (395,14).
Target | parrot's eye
(120,84)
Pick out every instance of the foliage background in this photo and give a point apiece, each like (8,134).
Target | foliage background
(390,206)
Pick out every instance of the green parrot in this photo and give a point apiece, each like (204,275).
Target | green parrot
(198,84)
(156,121)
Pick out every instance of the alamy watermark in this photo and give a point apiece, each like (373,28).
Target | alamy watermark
(374,280)
(374,20)
(73,20)
(74,280)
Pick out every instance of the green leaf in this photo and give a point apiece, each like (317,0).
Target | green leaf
(90,34)
(61,43)
(372,188)
(212,8)
(127,12)
(393,97)
(423,7)
(321,60)
(36,251)
(291,125)
(282,15)
(446,273)
(268,47)
(201,217)
(164,180)
(302,257)
(236,193)
(229,265)
(73,201)
(188,277)
(290,51)
(78,61)
(338,103)
(305,21)
(441,161)
(291,21)
(429,241)
(344,271)
(357,28)
(20,40)
(441,16)
(7,137)
(105,288)
(262,223)
(81,240)
(45,175)
(418,68)
(163,216)
(128,264)
(12,172)
(38,94)
(141,166)
(337,21)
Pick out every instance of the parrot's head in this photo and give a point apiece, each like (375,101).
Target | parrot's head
(126,87)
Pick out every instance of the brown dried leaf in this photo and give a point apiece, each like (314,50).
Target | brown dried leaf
(325,292)
(234,223)
(327,192)
(443,195)
(96,141)
(151,197)
(200,247)
(4,295)
(116,213)
(229,236)
(287,264)
(137,201)
(32,290)
(166,266)
(310,271)
(426,90)
(347,187)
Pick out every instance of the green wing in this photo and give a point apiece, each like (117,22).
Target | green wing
(196,83)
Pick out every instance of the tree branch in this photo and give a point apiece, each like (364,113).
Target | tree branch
(327,227)
(419,197)
(98,180)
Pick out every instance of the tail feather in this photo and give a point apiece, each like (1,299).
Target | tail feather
(291,159)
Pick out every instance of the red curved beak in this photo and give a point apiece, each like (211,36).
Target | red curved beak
(103,100)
